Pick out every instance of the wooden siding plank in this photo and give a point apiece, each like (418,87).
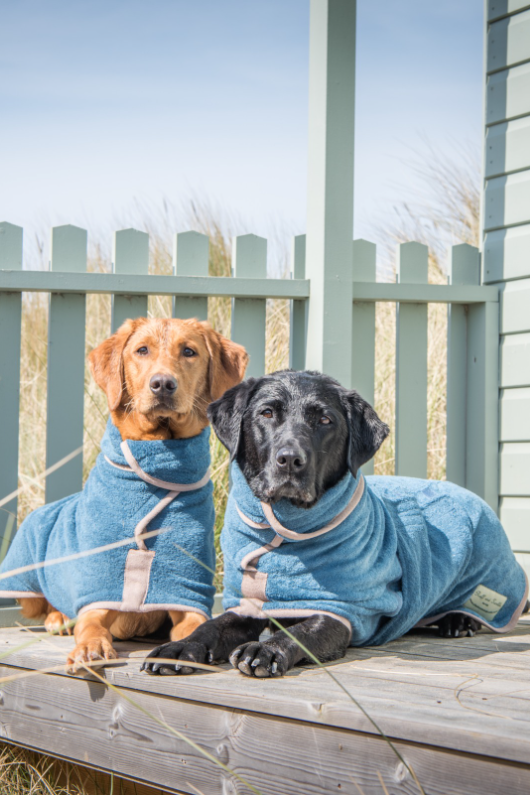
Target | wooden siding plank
(515,415)
(507,147)
(363,329)
(66,367)
(509,41)
(464,269)
(515,517)
(507,254)
(92,724)
(249,315)
(515,469)
(515,307)
(130,256)
(515,360)
(10,331)
(508,94)
(299,309)
(498,8)
(190,258)
(507,200)
(330,186)
(411,367)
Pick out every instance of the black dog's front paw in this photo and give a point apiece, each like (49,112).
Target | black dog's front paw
(260,659)
(180,651)
(458,625)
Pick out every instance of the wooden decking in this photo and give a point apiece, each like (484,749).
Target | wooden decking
(458,711)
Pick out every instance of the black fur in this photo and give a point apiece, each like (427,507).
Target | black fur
(298,402)
(296,454)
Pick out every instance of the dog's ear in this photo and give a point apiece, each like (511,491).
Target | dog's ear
(106,362)
(228,362)
(226,414)
(366,431)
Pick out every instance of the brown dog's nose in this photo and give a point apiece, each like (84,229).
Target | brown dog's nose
(291,460)
(162,385)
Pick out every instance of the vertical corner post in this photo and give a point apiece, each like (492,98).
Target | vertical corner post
(10,332)
(482,426)
(411,367)
(130,254)
(190,258)
(330,186)
(464,268)
(66,366)
(298,324)
(249,260)
(363,329)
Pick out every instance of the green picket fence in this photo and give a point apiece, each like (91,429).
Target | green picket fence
(472,436)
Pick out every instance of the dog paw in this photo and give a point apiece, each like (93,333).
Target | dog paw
(99,649)
(159,661)
(260,660)
(57,624)
(458,625)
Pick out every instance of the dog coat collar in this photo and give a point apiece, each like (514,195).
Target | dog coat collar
(173,489)
(161,487)
(284,532)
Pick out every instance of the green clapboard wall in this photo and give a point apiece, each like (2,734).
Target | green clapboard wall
(506,257)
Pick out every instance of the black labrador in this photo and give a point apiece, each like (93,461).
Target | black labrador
(294,435)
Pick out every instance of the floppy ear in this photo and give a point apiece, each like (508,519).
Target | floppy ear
(106,362)
(366,431)
(228,362)
(226,414)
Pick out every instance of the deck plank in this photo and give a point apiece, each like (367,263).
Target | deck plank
(84,721)
(469,695)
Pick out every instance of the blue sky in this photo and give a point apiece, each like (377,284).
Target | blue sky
(108,103)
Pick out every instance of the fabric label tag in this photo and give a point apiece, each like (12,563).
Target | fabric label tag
(485,602)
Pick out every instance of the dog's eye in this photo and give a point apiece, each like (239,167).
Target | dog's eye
(325,420)
(267,414)
(143,350)
(188,352)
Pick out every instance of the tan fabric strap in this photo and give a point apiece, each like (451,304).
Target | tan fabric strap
(161,484)
(285,533)
(142,524)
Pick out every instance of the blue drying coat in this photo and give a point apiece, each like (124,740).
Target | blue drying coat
(400,552)
(134,488)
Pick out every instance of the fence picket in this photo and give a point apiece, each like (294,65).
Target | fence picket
(249,314)
(190,258)
(10,329)
(66,366)
(411,367)
(298,324)
(131,256)
(464,269)
(363,329)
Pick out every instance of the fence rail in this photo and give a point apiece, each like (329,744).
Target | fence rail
(472,374)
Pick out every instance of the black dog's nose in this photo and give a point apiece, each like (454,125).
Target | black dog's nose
(162,385)
(291,459)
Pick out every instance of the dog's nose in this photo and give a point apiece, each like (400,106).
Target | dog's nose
(291,460)
(162,385)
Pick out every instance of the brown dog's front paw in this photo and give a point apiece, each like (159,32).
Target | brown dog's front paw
(98,649)
(58,624)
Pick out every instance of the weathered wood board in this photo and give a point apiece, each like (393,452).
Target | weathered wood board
(459,710)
